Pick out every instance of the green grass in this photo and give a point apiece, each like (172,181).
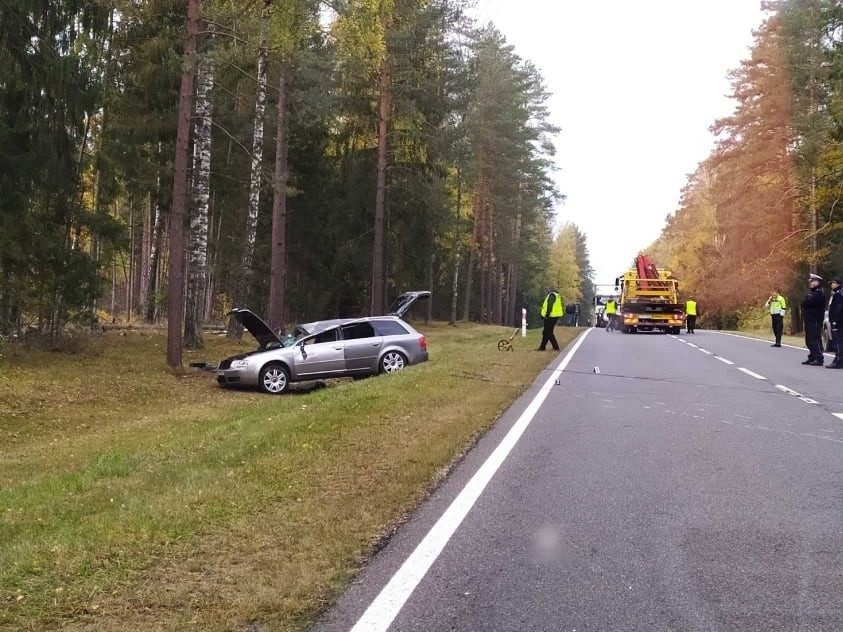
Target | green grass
(131,498)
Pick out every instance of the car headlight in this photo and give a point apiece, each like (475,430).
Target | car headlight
(239,364)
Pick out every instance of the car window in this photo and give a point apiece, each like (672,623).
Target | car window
(331,335)
(389,328)
(356,331)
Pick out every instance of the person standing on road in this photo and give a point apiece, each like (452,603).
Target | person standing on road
(835,320)
(611,314)
(777,306)
(551,311)
(691,314)
(813,310)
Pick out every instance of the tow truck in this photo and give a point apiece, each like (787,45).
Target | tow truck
(649,299)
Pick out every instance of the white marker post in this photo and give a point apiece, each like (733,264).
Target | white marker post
(523,322)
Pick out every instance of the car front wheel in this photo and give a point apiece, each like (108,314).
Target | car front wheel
(274,379)
(393,362)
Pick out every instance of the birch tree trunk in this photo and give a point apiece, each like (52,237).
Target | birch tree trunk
(241,290)
(198,267)
(175,295)
(278,255)
(154,256)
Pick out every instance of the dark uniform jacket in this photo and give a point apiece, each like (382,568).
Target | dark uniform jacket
(813,305)
(835,310)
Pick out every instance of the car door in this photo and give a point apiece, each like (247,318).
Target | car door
(362,347)
(320,355)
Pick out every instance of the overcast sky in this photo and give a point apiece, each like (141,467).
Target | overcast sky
(636,86)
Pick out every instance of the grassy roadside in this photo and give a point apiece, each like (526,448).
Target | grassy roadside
(132,499)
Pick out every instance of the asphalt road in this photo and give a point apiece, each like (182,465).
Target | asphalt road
(680,488)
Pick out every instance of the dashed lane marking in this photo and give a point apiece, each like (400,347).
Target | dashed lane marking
(705,351)
(725,333)
(790,391)
(691,344)
(838,415)
(725,361)
(751,373)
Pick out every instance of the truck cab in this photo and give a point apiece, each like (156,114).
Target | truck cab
(649,299)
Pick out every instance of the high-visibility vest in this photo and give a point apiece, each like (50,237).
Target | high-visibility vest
(691,308)
(778,305)
(554,302)
(611,307)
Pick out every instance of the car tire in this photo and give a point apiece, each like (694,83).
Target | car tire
(274,379)
(392,362)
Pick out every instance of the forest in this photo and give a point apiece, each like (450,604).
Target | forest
(764,209)
(163,161)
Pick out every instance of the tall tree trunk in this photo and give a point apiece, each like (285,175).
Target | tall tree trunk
(475,256)
(151,296)
(455,287)
(146,245)
(194,316)
(430,264)
(469,276)
(512,284)
(241,290)
(377,305)
(278,255)
(498,302)
(175,296)
(130,285)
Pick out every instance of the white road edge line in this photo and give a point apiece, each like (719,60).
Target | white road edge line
(725,361)
(725,333)
(382,611)
(752,373)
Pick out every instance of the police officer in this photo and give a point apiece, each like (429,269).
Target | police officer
(611,314)
(691,314)
(835,319)
(813,310)
(551,311)
(777,306)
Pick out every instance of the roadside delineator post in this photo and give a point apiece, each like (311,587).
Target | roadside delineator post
(523,322)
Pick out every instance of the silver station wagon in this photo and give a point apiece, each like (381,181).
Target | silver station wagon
(348,347)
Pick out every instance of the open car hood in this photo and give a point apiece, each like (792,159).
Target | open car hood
(255,326)
(403,303)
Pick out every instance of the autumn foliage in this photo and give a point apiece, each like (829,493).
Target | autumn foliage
(763,209)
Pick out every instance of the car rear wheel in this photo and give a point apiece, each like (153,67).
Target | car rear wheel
(274,379)
(392,362)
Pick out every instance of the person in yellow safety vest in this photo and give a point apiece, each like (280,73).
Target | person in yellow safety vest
(552,310)
(777,306)
(611,314)
(691,314)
